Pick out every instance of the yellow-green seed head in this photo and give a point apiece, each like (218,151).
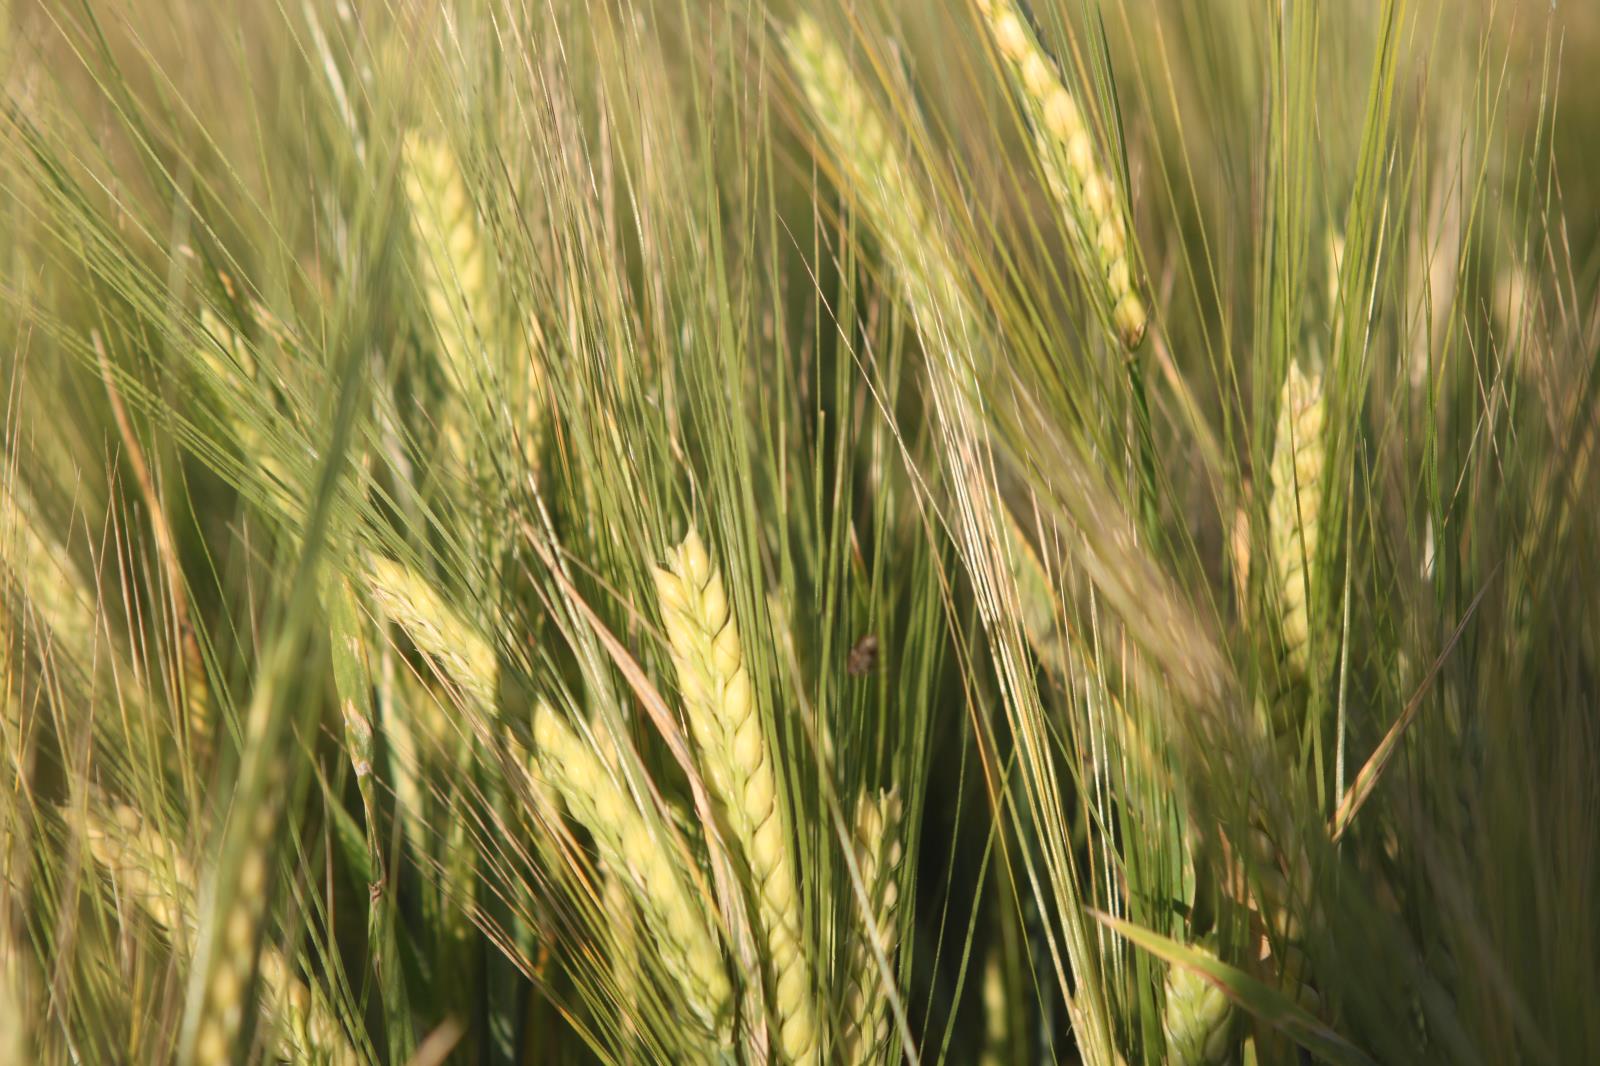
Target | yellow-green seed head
(453,272)
(1295,506)
(455,645)
(1197,1020)
(720,705)
(572,768)
(866,1031)
(1072,168)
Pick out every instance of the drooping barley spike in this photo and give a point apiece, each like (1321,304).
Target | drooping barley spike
(151,872)
(1036,597)
(231,372)
(462,658)
(1067,151)
(878,174)
(1296,505)
(853,125)
(571,768)
(42,566)
(721,707)
(234,960)
(1197,1020)
(451,260)
(456,647)
(878,852)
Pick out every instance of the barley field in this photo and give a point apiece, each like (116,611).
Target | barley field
(800,532)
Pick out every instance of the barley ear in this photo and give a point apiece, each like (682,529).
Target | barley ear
(1036,597)
(1239,553)
(234,964)
(1197,1020)
(149,871)
(1082,188)
(721,707)
(1296,505)
(630,847)
(456,647)
(453,268)
(878,854)
(43,569)
(876,171)
(231,371)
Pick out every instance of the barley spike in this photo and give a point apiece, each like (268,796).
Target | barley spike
(1296,505)
(727,727)
(571,768)
(878,853)
(1197,1020)
(457,648)
(454,274)
(1080,185)
(150,871)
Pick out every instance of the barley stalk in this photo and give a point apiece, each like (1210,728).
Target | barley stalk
(20,988)
(571,768)
(878,854)
(720,704)
(1094,207)
(1296,505)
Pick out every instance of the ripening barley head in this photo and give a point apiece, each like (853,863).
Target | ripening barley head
(634,851)
(720,703)
(450,255)
(866,1025)
(1197,1020)
(1084,189)
(1295,506)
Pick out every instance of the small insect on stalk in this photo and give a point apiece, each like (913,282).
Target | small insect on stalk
(863,656)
